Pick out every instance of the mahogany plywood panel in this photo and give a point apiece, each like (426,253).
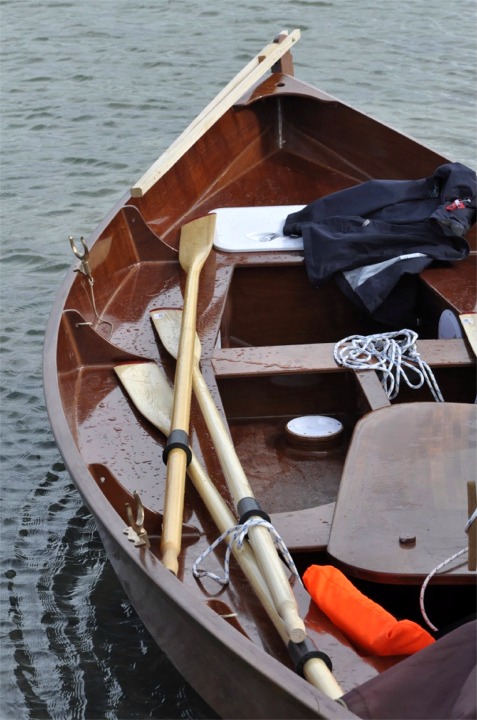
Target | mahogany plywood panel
(455,283)
(406,477)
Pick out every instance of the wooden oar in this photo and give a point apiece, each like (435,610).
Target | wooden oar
(196,241)
(237,87)
(151,393)
(168,323)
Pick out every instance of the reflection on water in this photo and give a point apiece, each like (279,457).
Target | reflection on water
(78,646)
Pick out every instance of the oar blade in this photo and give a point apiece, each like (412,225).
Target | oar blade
(149,390)
(168,325)
(196,240)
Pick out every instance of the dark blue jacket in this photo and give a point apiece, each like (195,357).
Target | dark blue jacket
(371,235)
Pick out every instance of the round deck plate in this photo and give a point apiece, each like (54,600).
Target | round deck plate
(314,429)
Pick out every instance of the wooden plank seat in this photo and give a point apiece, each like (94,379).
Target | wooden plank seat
(288,359)
(308,358)
(402,504)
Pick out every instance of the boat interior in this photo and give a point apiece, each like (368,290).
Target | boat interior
(267,339)
(267,354)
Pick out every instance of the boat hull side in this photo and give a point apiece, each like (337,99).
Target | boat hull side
(229,672)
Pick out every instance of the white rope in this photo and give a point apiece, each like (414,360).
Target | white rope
(393,354)
(441,565)
(84,268)
(472,519)
(239,533)
(93,302)
(429,578)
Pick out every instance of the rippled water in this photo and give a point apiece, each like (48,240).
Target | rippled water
(92,92)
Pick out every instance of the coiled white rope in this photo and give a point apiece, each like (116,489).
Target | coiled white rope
(441,565)
(393,354)
(238,534)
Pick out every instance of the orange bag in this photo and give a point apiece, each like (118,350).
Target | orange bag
(366,623)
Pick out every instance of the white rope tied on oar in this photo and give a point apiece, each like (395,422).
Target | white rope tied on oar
(238,534)
(441,565)
(393,354)
(469,522)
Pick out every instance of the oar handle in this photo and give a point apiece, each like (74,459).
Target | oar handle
(317,673)
(315,670)
(173,511)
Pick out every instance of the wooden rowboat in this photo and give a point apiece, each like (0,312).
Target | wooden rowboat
(190,324)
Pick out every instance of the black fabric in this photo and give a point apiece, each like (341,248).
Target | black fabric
(405,224)
(437,683)
(392,302)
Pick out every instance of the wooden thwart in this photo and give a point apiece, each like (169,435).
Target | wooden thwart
(287,359)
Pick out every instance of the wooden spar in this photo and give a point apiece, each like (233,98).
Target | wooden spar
(167,323)
(195,244)
(149,389)
(232,92)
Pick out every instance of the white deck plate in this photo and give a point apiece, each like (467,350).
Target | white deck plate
(254,229)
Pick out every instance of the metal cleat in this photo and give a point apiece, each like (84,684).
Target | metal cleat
(136,531)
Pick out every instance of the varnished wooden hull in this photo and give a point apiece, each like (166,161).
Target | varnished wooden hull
(286,144)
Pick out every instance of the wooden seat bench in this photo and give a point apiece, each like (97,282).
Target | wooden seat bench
(312,358)
(318,358)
